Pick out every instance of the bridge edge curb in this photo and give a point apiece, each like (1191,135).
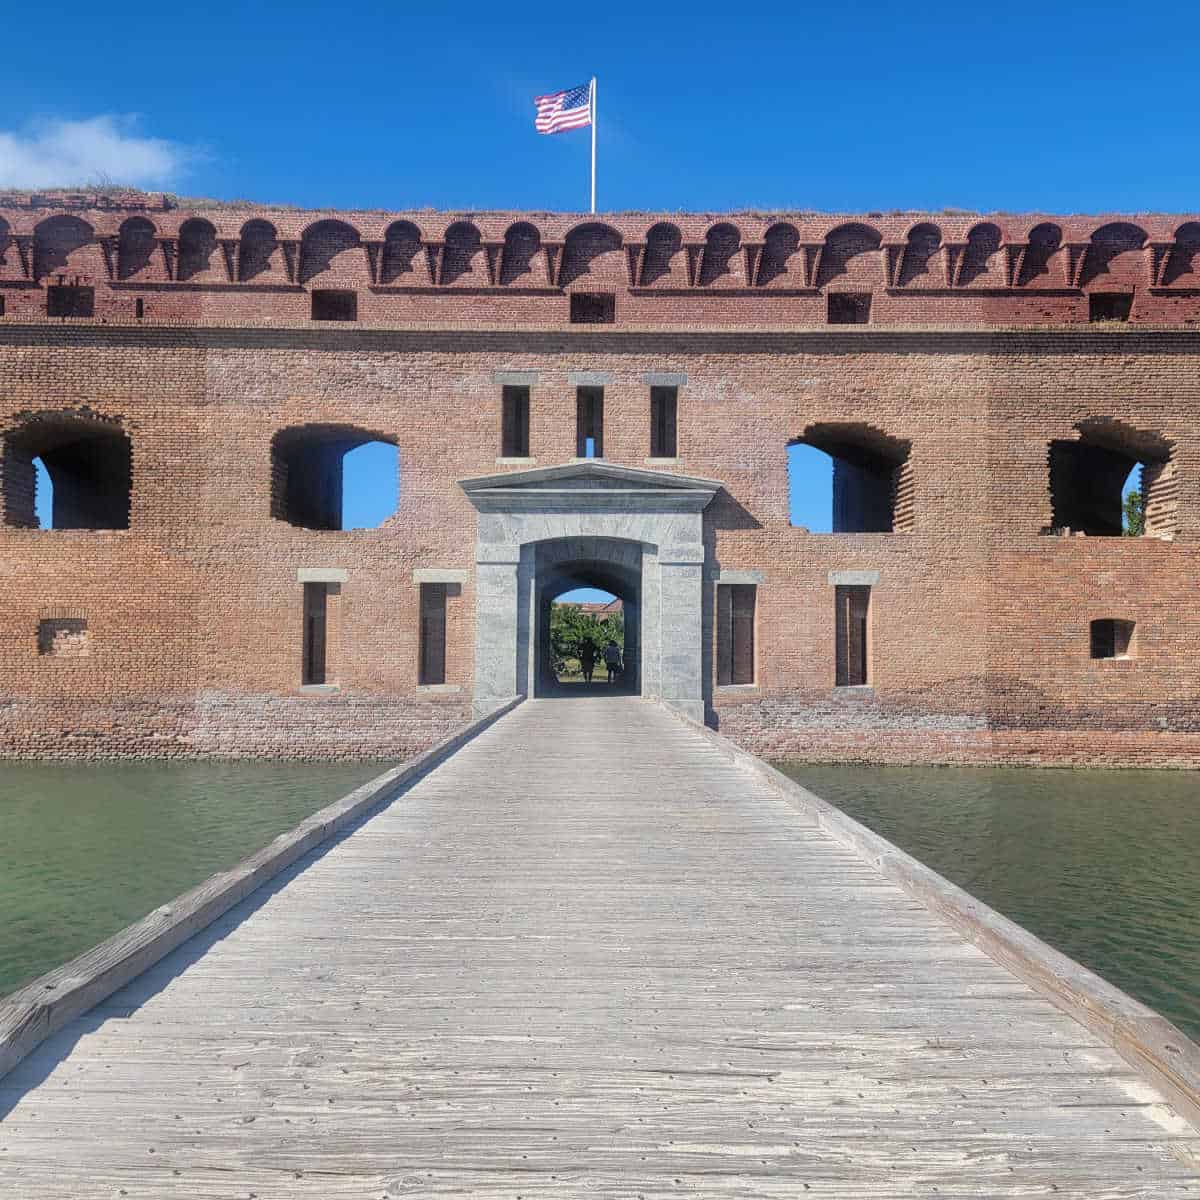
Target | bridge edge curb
(1154,1047)
(46,1004)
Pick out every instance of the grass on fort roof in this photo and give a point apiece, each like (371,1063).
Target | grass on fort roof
(211,204)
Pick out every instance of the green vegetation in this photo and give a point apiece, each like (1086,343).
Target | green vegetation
(571,628)
(1135,514)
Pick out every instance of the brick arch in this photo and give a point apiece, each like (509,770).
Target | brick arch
(851,251)
(57,242)
(521,242)
(1116,251)
(463,252)
(1182,260)
(306,471)
(259,242)
(1045,243)
(89,459)
(401,251)
(780,243)
(980,257)
(328,246)
(197,244)
(663,258)
(136,243)
(593,249)
(873,483)
(1087,475)
(721,244)
(924,241)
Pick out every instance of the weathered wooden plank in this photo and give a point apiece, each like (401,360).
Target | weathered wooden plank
(589,954)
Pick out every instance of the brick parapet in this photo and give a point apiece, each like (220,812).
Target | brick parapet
(257,266)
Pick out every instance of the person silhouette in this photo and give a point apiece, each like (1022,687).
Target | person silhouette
(587,660)
(612,660)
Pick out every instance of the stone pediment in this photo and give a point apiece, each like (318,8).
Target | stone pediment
(589,485)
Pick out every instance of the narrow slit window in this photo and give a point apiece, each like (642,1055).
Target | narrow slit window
(853,635)
(1112,639)
(315,613)
(735,633)
(139,308)
(65,301)
(433,633)
(589,422)
(328,305)
(514,434)
(664,402)
(1,306)
(849,308)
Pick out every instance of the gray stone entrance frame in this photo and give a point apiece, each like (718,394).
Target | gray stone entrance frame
(599,511)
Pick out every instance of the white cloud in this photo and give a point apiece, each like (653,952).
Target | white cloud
(104,149)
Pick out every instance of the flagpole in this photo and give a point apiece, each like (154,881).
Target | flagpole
(593,98)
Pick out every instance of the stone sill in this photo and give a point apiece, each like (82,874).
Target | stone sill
(866,690)
(439,689)
(318,689)
(597,459)
(737,689)
(662,462)
(514,462)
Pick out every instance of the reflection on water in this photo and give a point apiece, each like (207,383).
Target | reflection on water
(85,849)
(1104,865)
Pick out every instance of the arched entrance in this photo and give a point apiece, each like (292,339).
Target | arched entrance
(640,530)
(610,564)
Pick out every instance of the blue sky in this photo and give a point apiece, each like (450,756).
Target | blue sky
(868,106)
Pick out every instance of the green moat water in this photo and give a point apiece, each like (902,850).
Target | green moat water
(1104,865)
(85,849)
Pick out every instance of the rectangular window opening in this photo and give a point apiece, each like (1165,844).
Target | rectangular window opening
(736,604)
(853,635)
(589,422)
(64,637)
(514,421)
(593,308)
(849,308)
(1,306)
(63,300)
(1112,639)
(330,305)
(139,308)
(315,610)
(664,403)
(433,633)
(1110,306)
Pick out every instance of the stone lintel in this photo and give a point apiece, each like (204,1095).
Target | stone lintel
(322,575)
(589,378)
(665,378)
(440,575)
(686,554)
(754,577)
(853,578)
(516,378)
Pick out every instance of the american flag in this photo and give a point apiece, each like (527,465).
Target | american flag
(561,111)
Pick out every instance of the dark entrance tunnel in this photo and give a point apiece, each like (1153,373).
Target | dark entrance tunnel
(620,579)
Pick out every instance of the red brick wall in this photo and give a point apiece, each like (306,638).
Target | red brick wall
(979,622)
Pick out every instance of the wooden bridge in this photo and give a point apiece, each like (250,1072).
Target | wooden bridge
(589,954)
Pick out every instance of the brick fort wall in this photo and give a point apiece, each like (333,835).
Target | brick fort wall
(983,356)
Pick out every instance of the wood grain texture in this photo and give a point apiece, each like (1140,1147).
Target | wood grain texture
(588,954)
(32,1013)
(1158,1049)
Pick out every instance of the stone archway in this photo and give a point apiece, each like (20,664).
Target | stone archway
(586,511)
(613,564)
